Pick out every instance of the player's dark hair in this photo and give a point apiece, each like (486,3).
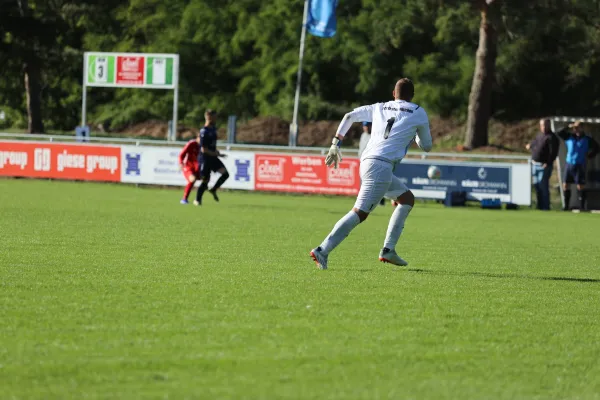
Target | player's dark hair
(404,90)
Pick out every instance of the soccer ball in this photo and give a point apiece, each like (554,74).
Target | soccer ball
(434,172)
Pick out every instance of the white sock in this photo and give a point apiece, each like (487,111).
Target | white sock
(396,225)
(342,229)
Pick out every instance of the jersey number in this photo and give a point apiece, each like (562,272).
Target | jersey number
(388,128)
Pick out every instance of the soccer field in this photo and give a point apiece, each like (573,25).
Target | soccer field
(111,291)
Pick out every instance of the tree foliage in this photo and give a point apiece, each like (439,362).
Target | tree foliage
(242,56)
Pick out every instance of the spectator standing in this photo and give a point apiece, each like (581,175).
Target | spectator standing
(580,147)
(544,150)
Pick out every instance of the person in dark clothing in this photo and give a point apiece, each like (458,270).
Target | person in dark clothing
(544,150)
(580,147)
(210,157)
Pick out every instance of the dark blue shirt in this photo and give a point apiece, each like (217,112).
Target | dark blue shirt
(578,147)
(208,137)
(544,148)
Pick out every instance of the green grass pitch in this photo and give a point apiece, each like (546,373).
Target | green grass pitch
(111,291)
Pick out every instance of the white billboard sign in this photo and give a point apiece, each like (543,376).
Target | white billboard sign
(160,166)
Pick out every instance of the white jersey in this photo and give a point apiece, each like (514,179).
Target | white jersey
(395,125)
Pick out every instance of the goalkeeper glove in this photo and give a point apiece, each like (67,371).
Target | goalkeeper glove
(335,153)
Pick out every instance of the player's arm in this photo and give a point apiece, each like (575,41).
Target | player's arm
(564,134)
(183,154)
(211,153)
(424,140)
(360,114)
(365,114)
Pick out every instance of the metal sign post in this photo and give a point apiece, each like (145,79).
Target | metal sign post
(293,141)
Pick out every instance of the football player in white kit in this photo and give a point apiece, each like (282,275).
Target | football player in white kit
(395,125)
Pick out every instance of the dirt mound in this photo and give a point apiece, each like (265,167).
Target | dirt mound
(448,134)
(513,136)
(154,129)
(320,133)
(441,128)
(149,129)
(263,130)
(275,131)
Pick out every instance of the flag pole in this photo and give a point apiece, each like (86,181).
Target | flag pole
(294,126)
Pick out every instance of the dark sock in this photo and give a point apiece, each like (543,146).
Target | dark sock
(567,199)
(220,181)
(201,189)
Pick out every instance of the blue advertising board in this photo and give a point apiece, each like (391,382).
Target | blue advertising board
(478,180)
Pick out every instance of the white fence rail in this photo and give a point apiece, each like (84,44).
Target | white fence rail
(252,147)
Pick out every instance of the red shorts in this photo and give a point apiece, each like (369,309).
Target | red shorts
(189,172)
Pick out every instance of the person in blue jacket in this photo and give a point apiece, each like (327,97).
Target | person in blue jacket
(580,147)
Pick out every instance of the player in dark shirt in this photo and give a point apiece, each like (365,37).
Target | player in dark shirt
(210,157)
(190,166)
(580,147)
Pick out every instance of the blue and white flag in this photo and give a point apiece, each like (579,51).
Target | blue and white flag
(321,20)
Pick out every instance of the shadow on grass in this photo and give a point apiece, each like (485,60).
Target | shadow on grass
(505,276)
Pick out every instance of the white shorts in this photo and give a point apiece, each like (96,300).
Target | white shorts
(377,181)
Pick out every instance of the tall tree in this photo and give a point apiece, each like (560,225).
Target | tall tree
(44,38)
(32,72)
(480,99)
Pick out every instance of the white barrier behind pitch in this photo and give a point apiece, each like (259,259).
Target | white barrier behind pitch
(271,168)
